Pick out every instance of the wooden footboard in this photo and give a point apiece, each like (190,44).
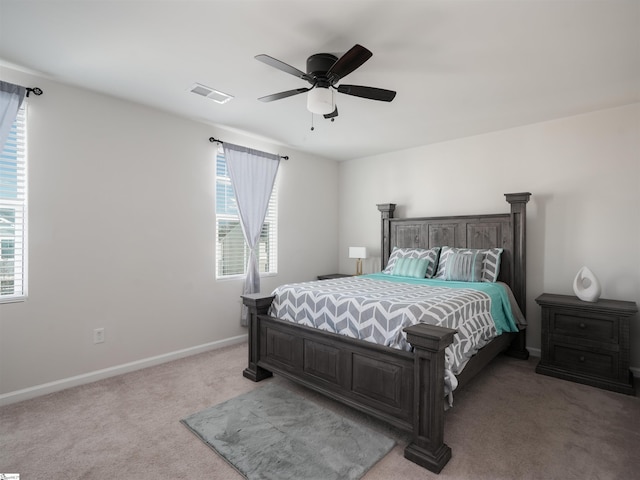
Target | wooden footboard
(405,389)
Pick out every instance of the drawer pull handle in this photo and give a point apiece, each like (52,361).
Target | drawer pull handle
(583,325)
(581,358)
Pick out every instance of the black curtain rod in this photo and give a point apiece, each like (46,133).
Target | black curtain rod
(214,140)
(34,90)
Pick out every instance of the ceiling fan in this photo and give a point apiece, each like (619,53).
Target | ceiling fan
(324,71)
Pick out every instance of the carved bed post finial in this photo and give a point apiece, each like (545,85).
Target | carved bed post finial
(386,213)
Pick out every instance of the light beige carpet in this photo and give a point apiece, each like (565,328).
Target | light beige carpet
(508,423)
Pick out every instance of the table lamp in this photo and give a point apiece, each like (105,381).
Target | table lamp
(358,253)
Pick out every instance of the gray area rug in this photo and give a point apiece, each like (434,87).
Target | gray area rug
(274,433)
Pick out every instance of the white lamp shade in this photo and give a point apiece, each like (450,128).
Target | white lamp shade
(357,252)
(320,101)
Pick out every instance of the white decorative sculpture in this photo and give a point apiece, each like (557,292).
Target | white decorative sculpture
(586,286)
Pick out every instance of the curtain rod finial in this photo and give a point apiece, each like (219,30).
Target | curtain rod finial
(35,91)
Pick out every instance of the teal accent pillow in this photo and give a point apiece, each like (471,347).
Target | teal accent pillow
(411,267)
(464,267)
(429,254)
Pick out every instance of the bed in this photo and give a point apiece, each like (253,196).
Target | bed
(404,387)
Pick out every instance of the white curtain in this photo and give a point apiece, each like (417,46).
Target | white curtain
(11,97)
(252,174)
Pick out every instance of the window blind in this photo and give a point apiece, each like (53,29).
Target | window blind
(13,212)
(232,252)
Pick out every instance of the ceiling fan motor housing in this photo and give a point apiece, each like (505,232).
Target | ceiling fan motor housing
(318,65)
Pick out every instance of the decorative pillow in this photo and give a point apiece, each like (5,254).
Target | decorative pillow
(490,261)
(411,267)
(430,254)
(464,267)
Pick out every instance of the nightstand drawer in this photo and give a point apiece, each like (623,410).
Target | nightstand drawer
(586,360)
(594,327)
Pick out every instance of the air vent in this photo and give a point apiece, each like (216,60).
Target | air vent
(210,93)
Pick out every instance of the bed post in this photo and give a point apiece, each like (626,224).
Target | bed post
(427,447)
(386,212)
(258,304)
(518,203)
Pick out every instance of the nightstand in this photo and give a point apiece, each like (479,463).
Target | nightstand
(587,342)
(331,276)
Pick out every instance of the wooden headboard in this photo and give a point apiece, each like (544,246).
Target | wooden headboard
(507,231)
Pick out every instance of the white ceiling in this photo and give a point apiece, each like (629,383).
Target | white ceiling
(460,67)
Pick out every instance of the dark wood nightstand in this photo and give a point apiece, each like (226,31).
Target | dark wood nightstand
(331,276)
(587,342)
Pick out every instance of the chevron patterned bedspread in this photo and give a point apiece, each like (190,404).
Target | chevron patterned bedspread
(376,308)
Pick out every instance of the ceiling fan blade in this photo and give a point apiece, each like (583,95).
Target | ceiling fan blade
(333,114)
(274,62)
(371,93)
(348,62)
(288,93)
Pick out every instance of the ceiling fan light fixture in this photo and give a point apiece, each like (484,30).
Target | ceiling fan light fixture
(320,101)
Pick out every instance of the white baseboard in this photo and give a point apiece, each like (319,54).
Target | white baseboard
(534,352)
(38,390)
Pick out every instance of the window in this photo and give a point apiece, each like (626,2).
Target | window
(13,210)
(232,252)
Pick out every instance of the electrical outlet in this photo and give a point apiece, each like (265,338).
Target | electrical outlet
(98,335)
